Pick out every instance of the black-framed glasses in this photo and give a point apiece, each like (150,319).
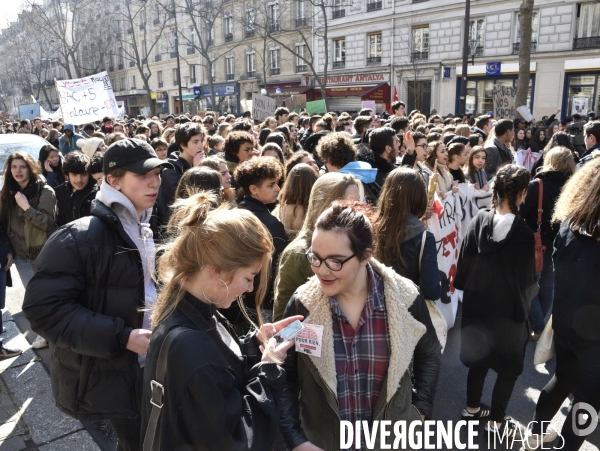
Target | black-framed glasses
(333,264)
(424,146)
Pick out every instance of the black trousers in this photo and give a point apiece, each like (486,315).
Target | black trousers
(577,373)
(503,389)
(128,434)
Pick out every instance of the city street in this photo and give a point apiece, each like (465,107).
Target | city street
(450,396)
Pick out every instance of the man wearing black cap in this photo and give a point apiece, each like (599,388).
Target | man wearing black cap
(92,292)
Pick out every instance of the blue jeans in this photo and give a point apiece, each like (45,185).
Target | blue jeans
(542,303)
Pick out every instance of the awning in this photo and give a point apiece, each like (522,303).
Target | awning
(189,96)
(357,91)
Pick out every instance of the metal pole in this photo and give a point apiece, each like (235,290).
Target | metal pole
(465,61)
(178,63)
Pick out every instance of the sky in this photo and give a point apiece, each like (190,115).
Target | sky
(9,10)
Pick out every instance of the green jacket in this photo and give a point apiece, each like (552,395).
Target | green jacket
(29,230)
(294,270)
(310,409)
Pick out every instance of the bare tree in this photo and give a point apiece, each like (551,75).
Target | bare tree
(525,51)
(137,38)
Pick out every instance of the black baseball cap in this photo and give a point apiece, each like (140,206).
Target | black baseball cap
(133,155)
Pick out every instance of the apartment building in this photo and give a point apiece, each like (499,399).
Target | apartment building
(415,47)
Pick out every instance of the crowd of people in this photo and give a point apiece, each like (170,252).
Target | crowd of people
(161,257)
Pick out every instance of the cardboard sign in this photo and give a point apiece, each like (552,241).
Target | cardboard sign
(504,102)
(310,340)
(262,106)
(316,107)
(87,99)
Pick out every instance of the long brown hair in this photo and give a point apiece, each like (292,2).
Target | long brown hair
(228,239)
(579,201)
(8,198)
(431,158)
(471,169)
(403,193)
(298,186)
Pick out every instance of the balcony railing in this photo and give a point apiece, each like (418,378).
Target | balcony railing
(479,50)
(374,6)
(593,42)
(229,37)
(373,61)
(49,83)
(274,26)
(173,54)
(300,68)
(211,42)
(301,22)
(156,21)
(160,84)
(157,58)
(193,80)
(419,56)
(251,73)
(129,30)
(111,68)
(131,63)
(144,60)
(176,82)
(121,66)
(191,50)
(338,13)
(249,33)
(275,70)
(339,64)
(517,47)
(142,26)
(230,77)
(419,1)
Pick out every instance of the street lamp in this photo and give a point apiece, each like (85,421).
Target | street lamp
(465,60)
(473,44)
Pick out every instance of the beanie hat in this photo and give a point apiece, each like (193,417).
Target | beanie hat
(89,146)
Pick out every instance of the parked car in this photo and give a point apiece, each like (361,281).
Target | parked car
(14,142)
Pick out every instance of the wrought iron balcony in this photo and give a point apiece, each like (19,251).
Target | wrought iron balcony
(211,42)
(191,50)
(156,21)
(419,56)
(301,68)
(274,26)
(111,68)
(157,58)
(517,47)
(121,66)
(249,33)
(275,71)
(173,54)
(160,84)
(301,22)
(251,73)
(373,61)
(230,77)
(419,1)
(131,63)
(374,6)
(592,42)
(338,14)
(339,64)
(229,37)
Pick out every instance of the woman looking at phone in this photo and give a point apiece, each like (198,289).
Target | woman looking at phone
(220,391)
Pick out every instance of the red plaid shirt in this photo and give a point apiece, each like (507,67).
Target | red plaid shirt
(361,355)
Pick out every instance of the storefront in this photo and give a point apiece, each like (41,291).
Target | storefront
(480,85)
(581,94)
(351,93)
(161,99)
(135,102)
(282,92)
(227,98)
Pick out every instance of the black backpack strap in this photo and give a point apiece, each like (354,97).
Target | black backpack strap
(157,392)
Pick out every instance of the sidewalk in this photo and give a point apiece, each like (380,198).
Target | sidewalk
(29,419)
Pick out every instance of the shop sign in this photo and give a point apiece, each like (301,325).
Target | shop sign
(493,68)
(446,72)
(358,78)
(220,90)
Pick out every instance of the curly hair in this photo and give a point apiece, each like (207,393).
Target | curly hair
(75,163)
(256,171)
(510,181)
(336,149)
(579,201)
(234,140)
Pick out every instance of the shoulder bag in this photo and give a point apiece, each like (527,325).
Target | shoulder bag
(157,392)
(539,247)
(437,318)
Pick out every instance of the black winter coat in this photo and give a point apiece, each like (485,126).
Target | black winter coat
(85,299)
(215,398)
(170,177)
(576,307)
(553,182)
(499,281)
(74,205)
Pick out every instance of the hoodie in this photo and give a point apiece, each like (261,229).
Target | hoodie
(67,145)
(138,229)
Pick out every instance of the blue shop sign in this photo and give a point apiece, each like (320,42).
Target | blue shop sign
(493,68)
(196,90)
(446,72)
(220,90)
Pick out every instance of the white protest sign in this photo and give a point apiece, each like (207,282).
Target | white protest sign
(262,106)
(87,99)
(504,102)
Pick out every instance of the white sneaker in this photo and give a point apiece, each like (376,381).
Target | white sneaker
(532,441)
(39,343)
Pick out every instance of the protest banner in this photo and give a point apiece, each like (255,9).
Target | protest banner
(504,102)
(262,106)
(316,107)
(87,99)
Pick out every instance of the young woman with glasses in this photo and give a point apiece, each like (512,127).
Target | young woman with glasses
(374,324)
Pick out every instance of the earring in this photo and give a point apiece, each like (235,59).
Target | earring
(206,297)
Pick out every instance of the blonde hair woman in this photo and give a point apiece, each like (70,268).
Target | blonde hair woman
(228,384)
(293,266)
